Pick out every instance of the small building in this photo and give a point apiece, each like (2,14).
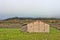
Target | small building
(37,26)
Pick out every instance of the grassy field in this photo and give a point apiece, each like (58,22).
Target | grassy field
(16,34)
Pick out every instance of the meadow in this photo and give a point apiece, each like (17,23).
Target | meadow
(17,34)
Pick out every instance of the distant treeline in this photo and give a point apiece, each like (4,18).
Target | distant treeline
(23,18)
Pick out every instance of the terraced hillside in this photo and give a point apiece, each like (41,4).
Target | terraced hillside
(18,22)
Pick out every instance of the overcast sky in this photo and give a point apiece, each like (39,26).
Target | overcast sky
(29,8)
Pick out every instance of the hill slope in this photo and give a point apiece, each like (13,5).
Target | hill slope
(16,22)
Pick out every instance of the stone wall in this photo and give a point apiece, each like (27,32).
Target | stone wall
(9,25)
(38,26)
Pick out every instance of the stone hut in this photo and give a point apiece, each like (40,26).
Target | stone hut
(36,26)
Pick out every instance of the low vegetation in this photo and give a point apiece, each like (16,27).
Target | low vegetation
(16,34)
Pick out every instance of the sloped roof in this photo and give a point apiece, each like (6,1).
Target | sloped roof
(34,21)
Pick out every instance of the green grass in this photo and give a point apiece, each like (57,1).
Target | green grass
(16,34)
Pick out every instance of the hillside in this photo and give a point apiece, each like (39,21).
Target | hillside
(16,22)
(10,30)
